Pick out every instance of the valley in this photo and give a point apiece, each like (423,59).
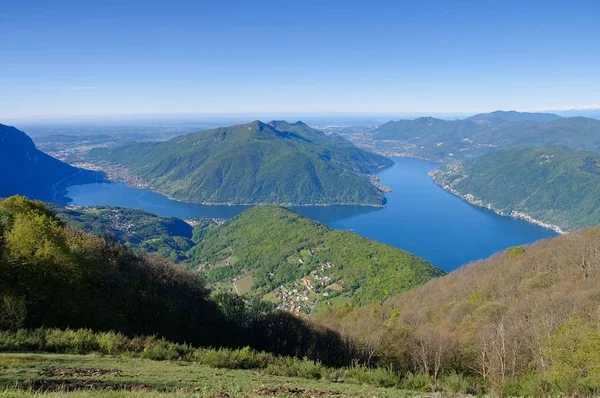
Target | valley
(313,199)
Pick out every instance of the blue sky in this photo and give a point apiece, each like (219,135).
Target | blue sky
(64,58)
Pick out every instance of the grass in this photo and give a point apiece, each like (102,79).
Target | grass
(244,283)
(93,375)
(332,302)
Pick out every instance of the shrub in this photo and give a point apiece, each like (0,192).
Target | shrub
(380,377)
(23,340)
(455,383)
(160,349)
(528,385)
(515,251)
(293,367)
(418,382)
(111,342)
(244,358)
(337,375)
(79,341)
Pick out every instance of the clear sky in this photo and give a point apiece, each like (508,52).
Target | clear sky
(61,58)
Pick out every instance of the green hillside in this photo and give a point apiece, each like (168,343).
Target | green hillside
(556,185)
(169,236)
(28,171)
(278,162)
(276,251)
(443,140)
(52,276)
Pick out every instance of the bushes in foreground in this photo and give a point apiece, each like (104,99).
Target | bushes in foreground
(85,341)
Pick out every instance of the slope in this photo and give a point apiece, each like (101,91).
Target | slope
(28,171)
(524,321)
(555,185)
(169,236)
(255,163)
(283,252)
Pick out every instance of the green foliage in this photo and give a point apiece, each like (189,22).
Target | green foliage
(80,341)
(515,251)
(575,352)
(418,382)
(13,311)
(111,342)
(556,185)
(455,383)
(54,276)
(264,239)
(293,367)
(244,358)
(277,162)
(168,236)
(527,385)
(380,377)
(61,277)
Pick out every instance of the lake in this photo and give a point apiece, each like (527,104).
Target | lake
(419,216)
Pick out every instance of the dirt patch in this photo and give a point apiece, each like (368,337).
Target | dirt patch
(82,372)
(300,392)
(42,385)
(336,287)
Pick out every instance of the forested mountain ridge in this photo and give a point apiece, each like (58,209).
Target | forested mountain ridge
(555,185)
(28,171)
(171,237)
(301,264)
(514,116)
(446,140)
(525,321)
(279,162)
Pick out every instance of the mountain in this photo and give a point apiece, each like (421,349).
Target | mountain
(300,264)
(28,171)
(444,140)
(555,185)
(523,322)
(279,162)
(514,116)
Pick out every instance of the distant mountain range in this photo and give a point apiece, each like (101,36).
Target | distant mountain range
(28,171)
(442,140)
(276,162)
(555,185)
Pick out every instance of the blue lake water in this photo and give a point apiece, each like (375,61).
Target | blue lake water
(419,217)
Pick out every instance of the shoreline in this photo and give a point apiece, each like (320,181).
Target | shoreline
(132,181)
(469,198)
(149,188)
